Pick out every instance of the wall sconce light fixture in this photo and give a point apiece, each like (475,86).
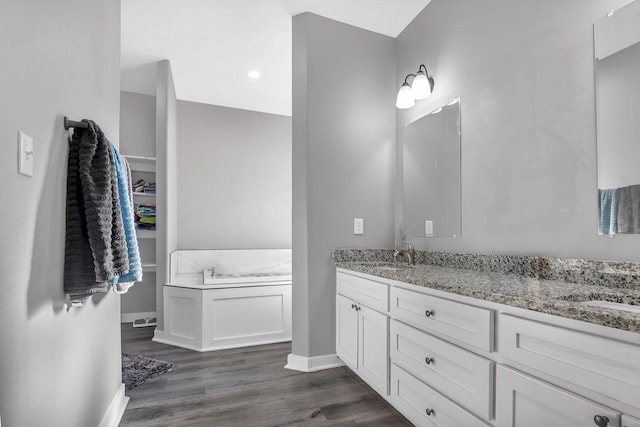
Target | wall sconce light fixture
(420,88)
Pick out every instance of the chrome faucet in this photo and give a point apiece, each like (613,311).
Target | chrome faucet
(410,253)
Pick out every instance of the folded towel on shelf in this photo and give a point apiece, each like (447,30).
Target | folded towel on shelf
(139,186)
(628,215)
(95,246)
(143,226)
(150,188)
(146,216)
(123,176)
(608,204)
(144,210)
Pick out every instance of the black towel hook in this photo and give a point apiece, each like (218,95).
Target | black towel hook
(72,124)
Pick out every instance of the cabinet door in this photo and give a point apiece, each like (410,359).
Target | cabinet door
(628,421)
(373,358)
(347,331)
(524,401)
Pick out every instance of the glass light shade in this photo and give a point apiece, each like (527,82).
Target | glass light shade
(420,87)
(405,97)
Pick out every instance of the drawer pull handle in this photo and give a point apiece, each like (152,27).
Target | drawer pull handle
(601,420)
(429,360)
(358,308)
(353,306)
(429,313)
(430,412)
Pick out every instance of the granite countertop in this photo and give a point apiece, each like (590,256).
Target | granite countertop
(560,298)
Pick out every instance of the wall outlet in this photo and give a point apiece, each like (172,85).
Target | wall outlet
(25,154)
(358,226)
(428,228)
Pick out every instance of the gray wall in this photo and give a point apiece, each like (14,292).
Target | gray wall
(343,151)
(57,367)
(618,111)
(138,138)
(166,178)
(137,124)
(234,178)
(525,75)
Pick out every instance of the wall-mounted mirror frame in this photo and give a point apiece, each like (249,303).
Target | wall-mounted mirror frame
(431,174)
(617,82)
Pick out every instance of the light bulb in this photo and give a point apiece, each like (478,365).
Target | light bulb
(420,87)
(405,97)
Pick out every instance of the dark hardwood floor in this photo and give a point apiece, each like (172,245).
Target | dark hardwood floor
(247,387)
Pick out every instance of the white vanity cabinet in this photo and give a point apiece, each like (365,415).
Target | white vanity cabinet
(362,333)
(524,401)
(446,370)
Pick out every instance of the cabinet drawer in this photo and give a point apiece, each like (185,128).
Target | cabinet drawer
(459,374)
(523,401)
(368,292)
(596,363)
(424,406)
(466,323)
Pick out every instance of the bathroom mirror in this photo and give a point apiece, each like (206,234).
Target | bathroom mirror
(431,174)
(617,60)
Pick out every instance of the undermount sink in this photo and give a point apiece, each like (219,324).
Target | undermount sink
(613,305)
(622,300)
(394,269)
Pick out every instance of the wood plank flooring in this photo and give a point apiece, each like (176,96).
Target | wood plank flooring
(247,387)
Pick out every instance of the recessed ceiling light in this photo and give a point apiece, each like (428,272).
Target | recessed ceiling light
(254,74)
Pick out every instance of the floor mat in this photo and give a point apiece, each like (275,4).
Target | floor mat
(138,369)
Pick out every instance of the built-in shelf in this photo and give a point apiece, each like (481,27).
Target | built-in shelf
(148,267)
(139,163)
(146,234)
(138,193)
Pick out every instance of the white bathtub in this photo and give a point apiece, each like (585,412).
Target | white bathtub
(247,302)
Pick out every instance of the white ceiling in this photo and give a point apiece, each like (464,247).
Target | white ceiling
(212,44)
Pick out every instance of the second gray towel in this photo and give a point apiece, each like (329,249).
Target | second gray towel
(628,209)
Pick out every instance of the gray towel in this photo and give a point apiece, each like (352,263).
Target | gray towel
(629,209)
(608,211)
(95,247)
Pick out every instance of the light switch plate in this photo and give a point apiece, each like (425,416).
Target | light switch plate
(358,226)
(428,228)
(25,154)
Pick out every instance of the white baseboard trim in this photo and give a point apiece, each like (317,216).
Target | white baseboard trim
(164,338)
(116,408)
(130,317)
(312,364)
